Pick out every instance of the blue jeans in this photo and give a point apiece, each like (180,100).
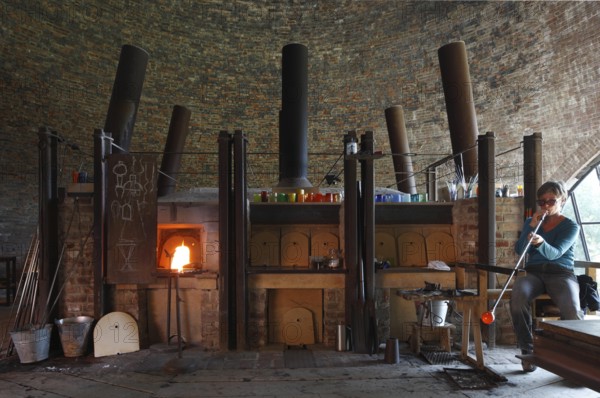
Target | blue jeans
(562,287)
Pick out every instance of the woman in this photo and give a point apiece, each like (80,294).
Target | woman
(549,265)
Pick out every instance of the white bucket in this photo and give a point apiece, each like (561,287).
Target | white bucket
(434,313)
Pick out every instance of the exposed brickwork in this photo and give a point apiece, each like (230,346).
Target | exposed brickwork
(334,314)
(76,282)
(509,220)
(533,68)
(257,317)
(209,313)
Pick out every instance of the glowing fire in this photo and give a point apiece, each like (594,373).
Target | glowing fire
(181,257)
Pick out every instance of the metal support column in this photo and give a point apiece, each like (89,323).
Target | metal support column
(487,212)
(532,171)
(350,223)
(241,238)
(368,223)
(227,313)
(48,217)
(102,148)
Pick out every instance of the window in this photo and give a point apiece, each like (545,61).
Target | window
(582,207)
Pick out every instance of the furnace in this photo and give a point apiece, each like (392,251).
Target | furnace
(170,236)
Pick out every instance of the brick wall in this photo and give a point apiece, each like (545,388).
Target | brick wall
(533,68)
(333,315)
(76,282)
(509,221)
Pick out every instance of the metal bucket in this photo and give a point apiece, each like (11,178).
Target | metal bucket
(74,334)
(32,344)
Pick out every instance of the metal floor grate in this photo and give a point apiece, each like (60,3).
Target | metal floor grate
(441,358)
(470,379)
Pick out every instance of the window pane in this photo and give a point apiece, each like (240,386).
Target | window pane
(588,188)
(579,254)
(592,238)
(567,209)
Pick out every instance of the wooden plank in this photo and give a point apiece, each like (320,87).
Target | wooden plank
(314,280)
(568,358)
(587,331)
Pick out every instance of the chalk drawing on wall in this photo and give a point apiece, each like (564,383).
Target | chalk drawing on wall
(131,198)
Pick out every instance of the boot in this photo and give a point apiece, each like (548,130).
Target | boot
(527,366)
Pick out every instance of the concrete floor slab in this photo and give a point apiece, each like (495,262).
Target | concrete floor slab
(146,373)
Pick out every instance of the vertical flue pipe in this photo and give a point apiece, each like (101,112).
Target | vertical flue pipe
(405,180)
(460,107)
(293,117)
(171,161)
(126,94)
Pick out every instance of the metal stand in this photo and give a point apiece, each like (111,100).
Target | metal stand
(178,312)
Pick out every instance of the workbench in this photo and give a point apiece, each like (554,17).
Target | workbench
(471,303)
(468,305)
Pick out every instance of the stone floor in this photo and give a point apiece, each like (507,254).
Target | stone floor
(159,372)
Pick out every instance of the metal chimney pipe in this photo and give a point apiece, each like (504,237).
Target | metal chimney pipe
(171,161)
(293,118)
(125,98)
(460,107)
(405,180)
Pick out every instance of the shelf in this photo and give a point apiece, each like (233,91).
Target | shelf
(329,213)
(293,270)
(80,189)
(413,213)
(295,213)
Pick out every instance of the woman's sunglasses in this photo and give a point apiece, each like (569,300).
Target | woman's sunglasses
(549,202)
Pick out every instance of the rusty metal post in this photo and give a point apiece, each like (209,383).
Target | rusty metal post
(126,93)
(532,171)
(403,168)
(487,213)
(460,107)
(227,312)
(171,161)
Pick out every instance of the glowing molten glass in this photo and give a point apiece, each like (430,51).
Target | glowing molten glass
(488,317)
(181,257)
